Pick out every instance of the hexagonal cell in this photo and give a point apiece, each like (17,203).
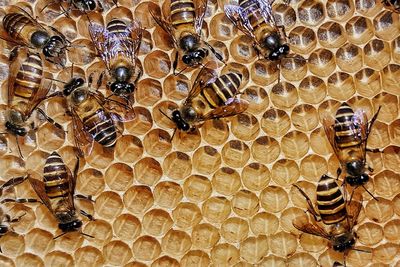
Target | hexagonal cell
(311,13)
(283,244)
(386,25)
(100,157)
(293,68)
(284,95)
(285,172)
(225,29)
(331,35)
(273,199)
(216,209)
(287,217)
(313,243)
(235,153)
(295,144)
(275,122)
(197,188)
(157,64)
(119,176)
(385,253)
(245,203)
(128,149)
(187,141)
(321,62)
(90,182)
(359,30)
(234,229)
(302,40)
(391,230)
(148,171)
(367,82)
(157,222)
(28,259)
(224,254)
(377,54)
(340,10)
(349,58)
(265,149)
(368,8)
(108,204)
(312,90)
(264,72)
(204,236)
(245,126)
(11,166)
(165,261)
(255,176)
(195,258)
(157,142)
(148,92)
(101,230)
(226,181)
(177,165)
(241,50)
(302,258)
(56,258)
(206,160)
(146,248)
(257,98)
(369,234)
(253,249)
(127,226)
(138,199)
(176,87)
(304,117)
(176,242)
(380,210)
(81,52)
(39,241)
(390,107)
(312,167)
(390,79)
(168,194)
(391,157)
(186,215)
(215,132)
(88,255)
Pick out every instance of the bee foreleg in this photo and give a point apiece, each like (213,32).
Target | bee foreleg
(87,215)
(50,120)
(374,150)
(175,63)
(13,182)
(217,55)
(338,172)
(89,198)
(16,219)
(310,209)
(20,200)
(281,29)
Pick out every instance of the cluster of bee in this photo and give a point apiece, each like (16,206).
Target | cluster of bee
(95,117)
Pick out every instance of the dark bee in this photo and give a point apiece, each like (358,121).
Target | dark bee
(255,19)
(393,5)
(118,45)
(348,134)
(183,23)
(24,30)
(6,221)
(211,97)
(334,212)
(56,191)
(26,90)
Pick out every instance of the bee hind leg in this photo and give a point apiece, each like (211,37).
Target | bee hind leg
(50,120)
(88,198)
(87,215)
(20,200)
(374,150)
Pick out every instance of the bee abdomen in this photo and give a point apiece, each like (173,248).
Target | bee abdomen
(347,133)
(330,201)
(225,87)
(116,26)
(14,23)
(182,12)
(102,128)
(253,14)
(55,176)
(29,77)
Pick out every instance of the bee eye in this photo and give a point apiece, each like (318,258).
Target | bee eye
(186,59)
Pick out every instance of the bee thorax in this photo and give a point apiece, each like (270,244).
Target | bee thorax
(39,38)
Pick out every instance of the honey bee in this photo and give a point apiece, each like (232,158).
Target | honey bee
(56,191)
(118,45)
(393,5)
(255,19)
(24,30)
(211,97)
(6,222)
(26,90)
(183,23)
(334,212)
(348,134)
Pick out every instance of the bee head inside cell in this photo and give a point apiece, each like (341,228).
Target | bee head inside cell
(70,226)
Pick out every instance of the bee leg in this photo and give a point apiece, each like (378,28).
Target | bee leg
(89,198)
(217,55)
(13,182)
(175,63)
(310,209)
(87,215)
(338,172)
(20,200)
(281,29)
(369,193)
(370,169)
(50,120)
(16,219)
(374,150)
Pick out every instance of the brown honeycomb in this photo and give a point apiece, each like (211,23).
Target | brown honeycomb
(223,194)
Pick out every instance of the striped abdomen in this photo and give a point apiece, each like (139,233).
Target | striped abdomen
(18,26)
(182,13)
(347,134)
(55,177)
(226,86)
(254,15)
(330,201)
(29,77)
(119,28)
(101,127)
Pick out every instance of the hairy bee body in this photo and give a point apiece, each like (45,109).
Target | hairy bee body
(345,136)
(183,16)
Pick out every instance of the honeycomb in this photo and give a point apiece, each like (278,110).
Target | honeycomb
(223,194)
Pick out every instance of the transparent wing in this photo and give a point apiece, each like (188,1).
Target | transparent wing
(83,140)
(328,122)
(239,18)
(201,6)
(38,187)
(204,77)
(266,11)
(301,223)
(155,12)
(353,209)
(40,95)
(235,106)
(17,57)
(118,111)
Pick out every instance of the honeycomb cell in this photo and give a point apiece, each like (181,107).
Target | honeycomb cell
(88,255)
(90,182)
(157,143)
(295,145)
(386,25)
(11,166)
(311,13)
(389,107)
(146,45)
(108,205)
(12,244)
(253,249)
(257,98)
(284,95)
(176,87)
(367,82)
(264,223)
(312,90)
(395,45)
(6,262)
(275,122)
(204,236)
(35,161)
(391,230)
(215,132)
(82,52)
(235,153)
(321,62)
(380,210)
(272,261)
(165,261)
(216,209)
(376,54)
(385,253)
(391,157)
(142,122)
(370,234)
(167,194)
(225,30)
(359,30)
(312,167)
(49,138)
(138,199)
(146,248)
(282,244)
(255,176)
(117,253)
(162,39)
(195,258)
(187,141)
(176,242)
(285,172)
(197,188)
(264,72)
(331,35)
(58,258)
(390,79)
(226,181)
(128,149)
(273,199)
(302,259)
(287,217)
(245,126)
(177,165)
(118,176)
(101,157)
(148,171)
(28,259)
(141,14)
(224,254)
(186,215)
(293,68)
(135,264)
(349,58)
(302,40)
(148,92)
(127,226)
(157,64)
(206,160)
(265,149)
(241,51)
(304,117)
(39,241)
(387,183)
(245,203)
(234,229)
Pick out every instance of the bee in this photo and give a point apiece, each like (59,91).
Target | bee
(348,134)
(211,97)
(26,90)
(56,192)
(118,45)
(6,221)
(393,5)
(183,24)
(255,19)
(334,212)
(24,30)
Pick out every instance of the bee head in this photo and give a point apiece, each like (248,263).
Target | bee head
(14,123)
(72,85)
(355,168)
(122,88)
(179,122)
(357,180)
(343,243)
(53,47)
(39,39)
(276,54)
(70,226)
(89,5)
(195,57)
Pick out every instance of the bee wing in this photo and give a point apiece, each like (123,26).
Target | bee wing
(40,95)
(235,106)
(239,18)
(266,11)
(328,122)
(136,33)
(100,39)
(71,184)
(155,12)
(38,187)
(118,111)
(83,140)
(353,210)
(204,77)
(17,57)
(201,6)
(301,223)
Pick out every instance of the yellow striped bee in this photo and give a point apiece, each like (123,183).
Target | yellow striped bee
(56,191)
(26,90)
(348,134)
(183,23)
(334,212)
(211,97)
(255,19)
(118,46)
(393,5)
(24,30)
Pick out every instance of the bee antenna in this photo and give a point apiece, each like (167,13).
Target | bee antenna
(60,235)
(182,70)
(82,233)
(19,148)
(162,112)
(173,134)
(55,80)
(369,193)
(361,250)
